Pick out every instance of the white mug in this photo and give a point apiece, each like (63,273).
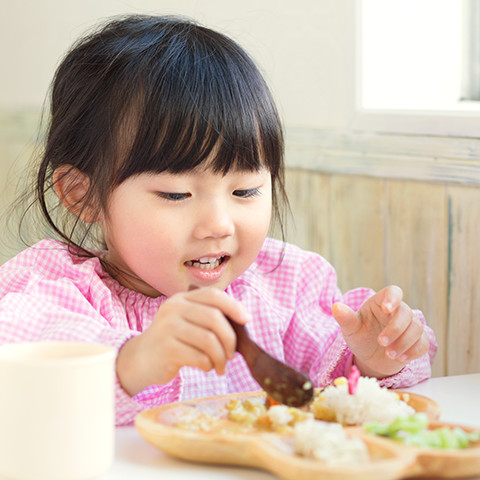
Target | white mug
(56,410)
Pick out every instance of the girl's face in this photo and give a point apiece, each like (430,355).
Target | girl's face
(165,231)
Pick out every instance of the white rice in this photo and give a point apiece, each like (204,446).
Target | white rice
(282,416)
(328,443)
(369,403)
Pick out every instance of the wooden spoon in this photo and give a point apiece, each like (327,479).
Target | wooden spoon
(280,381)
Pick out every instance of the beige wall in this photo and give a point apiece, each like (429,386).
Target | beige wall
(302,46)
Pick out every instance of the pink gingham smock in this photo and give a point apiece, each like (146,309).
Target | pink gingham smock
(48,294)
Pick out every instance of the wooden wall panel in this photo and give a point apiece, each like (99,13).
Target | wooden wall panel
(308,223)
(463,329)
(416,252)
(357,231)
(17,144)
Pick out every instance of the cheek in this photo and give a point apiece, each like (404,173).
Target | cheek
(261,221)
(264,215)
(256,225)
(148,236)
(129,233)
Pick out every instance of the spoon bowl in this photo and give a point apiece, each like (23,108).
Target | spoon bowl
(282,382)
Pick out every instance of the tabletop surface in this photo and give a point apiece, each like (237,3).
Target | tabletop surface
(458,396)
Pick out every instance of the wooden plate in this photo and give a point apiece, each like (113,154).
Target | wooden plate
(420,403)
(274,452)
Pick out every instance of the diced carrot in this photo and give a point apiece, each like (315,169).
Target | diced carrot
(270,402)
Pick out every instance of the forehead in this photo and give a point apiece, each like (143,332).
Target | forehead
(223,162)
(203,172)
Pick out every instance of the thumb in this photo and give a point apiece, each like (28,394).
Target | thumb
(346,318)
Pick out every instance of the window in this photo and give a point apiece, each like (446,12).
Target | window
(418,66)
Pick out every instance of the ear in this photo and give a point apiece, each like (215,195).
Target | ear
(72,187)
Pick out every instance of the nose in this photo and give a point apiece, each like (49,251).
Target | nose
(214,220)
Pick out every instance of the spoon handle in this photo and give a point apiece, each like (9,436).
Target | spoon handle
(282,382)
(245,345)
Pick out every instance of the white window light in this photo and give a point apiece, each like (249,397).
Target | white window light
(417,66)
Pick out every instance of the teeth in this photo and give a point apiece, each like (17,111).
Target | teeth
(207,260)
(205,263)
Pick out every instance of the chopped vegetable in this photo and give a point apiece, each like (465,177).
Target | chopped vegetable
(260,413)
(340,381)
(413,430)
(269,401)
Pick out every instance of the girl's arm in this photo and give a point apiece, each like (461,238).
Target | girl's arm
(27,318)
(314,340)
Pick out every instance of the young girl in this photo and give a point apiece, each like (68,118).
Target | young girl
(164,143)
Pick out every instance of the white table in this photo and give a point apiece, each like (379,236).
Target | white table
(458,396)
(135,459)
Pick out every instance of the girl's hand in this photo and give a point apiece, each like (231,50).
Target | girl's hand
(384,335)
(189,328)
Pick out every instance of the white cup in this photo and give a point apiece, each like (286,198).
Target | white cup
(56,410)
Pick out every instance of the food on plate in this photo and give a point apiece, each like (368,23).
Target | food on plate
(368,402)
(300,432)
(350,402)
(251,429)
(329,443)
(246,415)
(257,413)
(317,431)
(414,430)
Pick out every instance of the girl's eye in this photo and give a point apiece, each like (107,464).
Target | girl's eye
(174,197)
(250,192)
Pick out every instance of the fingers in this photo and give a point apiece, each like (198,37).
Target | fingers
(417,350)
(403,337)
(396,323)
(214,297)
(206,330)
(388,299)
(346,318)
(200,334)
(189,355)
(389,335)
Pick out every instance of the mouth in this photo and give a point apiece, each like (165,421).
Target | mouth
(207,263)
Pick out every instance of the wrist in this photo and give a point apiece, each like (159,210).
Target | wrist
(126,367)
(366,371)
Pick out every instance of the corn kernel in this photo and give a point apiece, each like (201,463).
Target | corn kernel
(340,381)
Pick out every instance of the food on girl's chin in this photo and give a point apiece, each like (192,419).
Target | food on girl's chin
(414,430)
(370,402)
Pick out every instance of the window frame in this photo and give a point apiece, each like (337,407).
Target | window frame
(458,123)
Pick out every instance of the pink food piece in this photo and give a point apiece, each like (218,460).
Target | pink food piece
(353,380)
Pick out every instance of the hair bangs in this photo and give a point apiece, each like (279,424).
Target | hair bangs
(204,103)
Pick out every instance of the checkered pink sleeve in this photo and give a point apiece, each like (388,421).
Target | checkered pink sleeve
(48,294)
(44,296)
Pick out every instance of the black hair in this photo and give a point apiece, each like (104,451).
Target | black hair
(157,94)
